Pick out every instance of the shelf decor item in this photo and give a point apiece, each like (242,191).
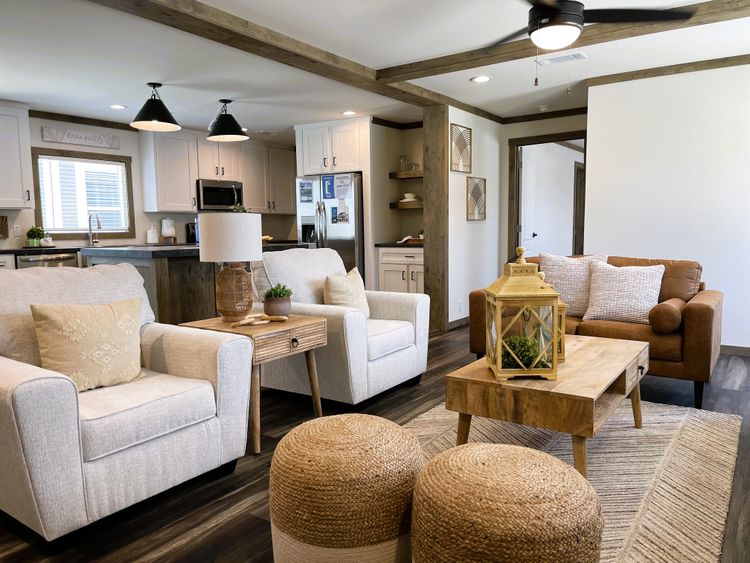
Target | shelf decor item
(232,239)
(33,236)
(278,301)
(460,148)
(476,198)
(524,334)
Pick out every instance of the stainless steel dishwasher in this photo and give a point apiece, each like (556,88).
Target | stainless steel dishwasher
(48,260)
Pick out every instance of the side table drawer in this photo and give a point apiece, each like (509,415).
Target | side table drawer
(285,343)
(631,373)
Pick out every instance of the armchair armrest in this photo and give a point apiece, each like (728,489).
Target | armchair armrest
(702,334)
(41,472)
(221,358)
(393,306)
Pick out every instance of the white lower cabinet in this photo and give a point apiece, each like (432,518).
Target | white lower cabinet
(401,270)
(7,262)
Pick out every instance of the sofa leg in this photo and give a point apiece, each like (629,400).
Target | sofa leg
(480,356)
(414,381)
(223,470)
(698,394)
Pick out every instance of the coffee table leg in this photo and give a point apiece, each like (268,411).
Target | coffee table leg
(635,400)
(255,410)
(579,454)
(464,425)
(312,373)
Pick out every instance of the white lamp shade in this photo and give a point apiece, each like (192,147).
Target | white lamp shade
(230,237)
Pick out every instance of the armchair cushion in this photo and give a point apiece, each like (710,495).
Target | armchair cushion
(118,417)
(304,270)
(385,337)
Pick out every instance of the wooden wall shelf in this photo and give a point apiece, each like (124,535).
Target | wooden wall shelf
(406,174)
(406,205)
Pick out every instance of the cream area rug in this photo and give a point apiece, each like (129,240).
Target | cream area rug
(664,488)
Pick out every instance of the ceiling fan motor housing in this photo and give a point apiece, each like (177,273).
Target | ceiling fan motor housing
(567,12)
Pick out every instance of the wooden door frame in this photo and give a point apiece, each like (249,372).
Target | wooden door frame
(514,170)
(579,203)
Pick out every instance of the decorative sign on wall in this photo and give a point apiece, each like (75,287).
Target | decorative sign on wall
(476,199)
(73,137)
(460,148)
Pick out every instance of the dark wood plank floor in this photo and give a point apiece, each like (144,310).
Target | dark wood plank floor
(226,519)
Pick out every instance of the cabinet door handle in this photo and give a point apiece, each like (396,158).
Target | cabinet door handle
(222,170)
(28,195)
(273,205)
(268,204)
(217,170)
(193,201)
(413,273)
(403,275)
(325,162)
(334,161)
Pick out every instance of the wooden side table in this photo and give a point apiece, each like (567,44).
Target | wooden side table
(273,342)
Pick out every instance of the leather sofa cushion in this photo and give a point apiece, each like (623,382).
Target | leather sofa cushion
(385,337)
(661,346)
(681,279)
(122,416)
(666,317)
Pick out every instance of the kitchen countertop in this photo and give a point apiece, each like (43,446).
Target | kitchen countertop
(399,245)
(39,250)
(149,251)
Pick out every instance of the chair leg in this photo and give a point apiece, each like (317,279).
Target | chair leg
(698,394)
(413,381)
(223,470)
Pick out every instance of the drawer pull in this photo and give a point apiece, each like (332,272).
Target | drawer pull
(641,369)
(295,342)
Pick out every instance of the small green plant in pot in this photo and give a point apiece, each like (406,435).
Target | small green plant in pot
(34,235)
(526,350)
(278,300)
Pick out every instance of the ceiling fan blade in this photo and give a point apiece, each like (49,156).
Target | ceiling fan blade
(626,15)
(544,4)
(507,38)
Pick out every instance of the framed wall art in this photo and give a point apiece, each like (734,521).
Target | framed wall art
(476,198)
(460,148)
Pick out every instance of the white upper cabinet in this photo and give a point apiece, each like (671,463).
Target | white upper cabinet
(281,180)
(218,161)
(332,147)
(316,150)
(345,148)
(253,173)
(16,179)
(170,170)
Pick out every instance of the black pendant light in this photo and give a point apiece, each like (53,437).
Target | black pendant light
(154,115)
(224,128)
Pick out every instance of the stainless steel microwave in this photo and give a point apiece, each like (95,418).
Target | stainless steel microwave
(218,195)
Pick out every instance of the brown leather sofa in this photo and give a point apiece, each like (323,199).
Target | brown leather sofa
(690,352)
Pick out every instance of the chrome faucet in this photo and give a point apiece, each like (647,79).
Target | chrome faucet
(93,236)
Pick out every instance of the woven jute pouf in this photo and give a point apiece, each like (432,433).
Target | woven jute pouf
(341,490)
(491,502)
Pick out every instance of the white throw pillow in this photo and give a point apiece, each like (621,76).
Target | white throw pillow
(570,277)
(624,294)
(347,290)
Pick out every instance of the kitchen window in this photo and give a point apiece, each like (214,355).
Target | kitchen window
(71,185)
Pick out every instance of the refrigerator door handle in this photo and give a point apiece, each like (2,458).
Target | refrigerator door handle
(324,217)
(317,224)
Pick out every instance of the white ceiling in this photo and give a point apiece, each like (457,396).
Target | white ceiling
(71,56)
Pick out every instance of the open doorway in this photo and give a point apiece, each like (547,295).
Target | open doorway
(547,194)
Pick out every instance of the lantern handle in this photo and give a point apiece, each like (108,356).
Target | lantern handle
(520,250)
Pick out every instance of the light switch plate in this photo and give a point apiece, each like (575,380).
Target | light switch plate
(16,230)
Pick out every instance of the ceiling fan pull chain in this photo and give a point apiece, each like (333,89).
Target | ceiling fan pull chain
(570,66)
(536,68)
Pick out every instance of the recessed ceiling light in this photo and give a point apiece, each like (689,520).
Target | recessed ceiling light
(348,112)
(481,79)
(118,106)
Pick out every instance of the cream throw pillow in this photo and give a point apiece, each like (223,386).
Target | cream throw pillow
(94,345)
(571,278)
(347,290)
(625,294)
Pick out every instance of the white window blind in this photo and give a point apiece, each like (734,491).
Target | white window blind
(72,188)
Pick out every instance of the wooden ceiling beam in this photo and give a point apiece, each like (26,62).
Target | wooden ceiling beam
(713,11)
(222,27)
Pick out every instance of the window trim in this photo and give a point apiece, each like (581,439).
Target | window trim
(36,152)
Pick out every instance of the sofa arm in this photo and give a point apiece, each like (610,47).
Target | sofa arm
(223,359)
(702,334)
(477,330)
(41,472)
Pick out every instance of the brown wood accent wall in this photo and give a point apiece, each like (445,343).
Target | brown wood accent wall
(436,214)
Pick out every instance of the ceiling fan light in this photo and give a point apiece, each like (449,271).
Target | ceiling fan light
(224,128)
(154,115)
(555,36)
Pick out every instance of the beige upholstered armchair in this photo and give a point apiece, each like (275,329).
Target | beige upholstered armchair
(71,458)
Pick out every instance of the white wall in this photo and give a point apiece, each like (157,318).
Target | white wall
(547,189)
(473,246)
(667,177)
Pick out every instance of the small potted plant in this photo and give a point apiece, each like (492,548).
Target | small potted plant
(278,300)
(34,235)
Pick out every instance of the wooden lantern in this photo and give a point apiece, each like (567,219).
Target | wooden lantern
(524,331)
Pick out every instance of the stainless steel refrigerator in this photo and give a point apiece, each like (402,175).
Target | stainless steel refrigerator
(329,214)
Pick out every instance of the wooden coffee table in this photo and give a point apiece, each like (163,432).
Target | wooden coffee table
(271,342)
(597,375)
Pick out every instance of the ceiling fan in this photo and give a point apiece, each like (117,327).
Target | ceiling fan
(556,24)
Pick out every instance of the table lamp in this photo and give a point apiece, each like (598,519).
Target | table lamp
(232,239)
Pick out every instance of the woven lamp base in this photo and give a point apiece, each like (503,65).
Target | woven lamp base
(234,292)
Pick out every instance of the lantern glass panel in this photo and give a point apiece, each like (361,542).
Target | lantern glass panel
(491,331)
(528,336)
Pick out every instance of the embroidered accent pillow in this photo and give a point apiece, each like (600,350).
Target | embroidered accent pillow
(625,294)
(94,345)
(261,283)
(571,278)
(347,290)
